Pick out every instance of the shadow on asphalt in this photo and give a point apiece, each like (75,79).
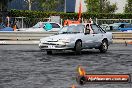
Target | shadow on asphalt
(66,53)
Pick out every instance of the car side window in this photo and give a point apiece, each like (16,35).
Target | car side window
(54,25)
(96,29)
(80,28)
(127,26)
(122,26)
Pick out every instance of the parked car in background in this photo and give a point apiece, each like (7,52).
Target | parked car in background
(76,38)
(43,26)
(109,28)
(117,27)
(126,28)
(4,28)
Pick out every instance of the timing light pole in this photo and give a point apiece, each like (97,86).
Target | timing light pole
(65,6)
(29,4)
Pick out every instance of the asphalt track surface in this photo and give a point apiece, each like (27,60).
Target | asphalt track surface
(25,66)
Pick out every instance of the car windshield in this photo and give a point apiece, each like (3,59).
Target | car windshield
(115,25)
(72,29)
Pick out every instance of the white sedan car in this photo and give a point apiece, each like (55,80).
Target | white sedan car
(43,26)
(76,38)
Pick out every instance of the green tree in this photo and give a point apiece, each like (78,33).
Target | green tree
(92,6)
(107,7)
(50,5)
(100,6)
(128,6)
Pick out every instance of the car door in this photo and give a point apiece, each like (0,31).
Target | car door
(98,35)
(87,39)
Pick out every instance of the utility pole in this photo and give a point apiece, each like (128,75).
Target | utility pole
(101,6)
(65,6)
(29,4)
(90,6)
(0,6)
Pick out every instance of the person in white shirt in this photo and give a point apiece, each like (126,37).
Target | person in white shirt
(88,27)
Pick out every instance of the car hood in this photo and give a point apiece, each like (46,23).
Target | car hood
(35,29)
(60,36)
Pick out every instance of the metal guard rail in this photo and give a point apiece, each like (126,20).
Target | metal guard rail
(16,37)
(24,35)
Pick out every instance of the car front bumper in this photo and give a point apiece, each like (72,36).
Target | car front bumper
(53,46)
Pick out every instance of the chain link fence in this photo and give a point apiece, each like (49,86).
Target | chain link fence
(24,22)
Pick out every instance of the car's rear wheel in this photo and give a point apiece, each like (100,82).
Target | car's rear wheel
(49,52)
(104,46)
(78,47)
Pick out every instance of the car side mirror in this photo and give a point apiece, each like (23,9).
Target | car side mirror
(87,31)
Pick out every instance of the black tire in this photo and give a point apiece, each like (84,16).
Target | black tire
(78,47)
(49,52)
(104,46)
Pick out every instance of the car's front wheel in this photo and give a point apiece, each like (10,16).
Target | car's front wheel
(78,47)
(104,46)
(49,52)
